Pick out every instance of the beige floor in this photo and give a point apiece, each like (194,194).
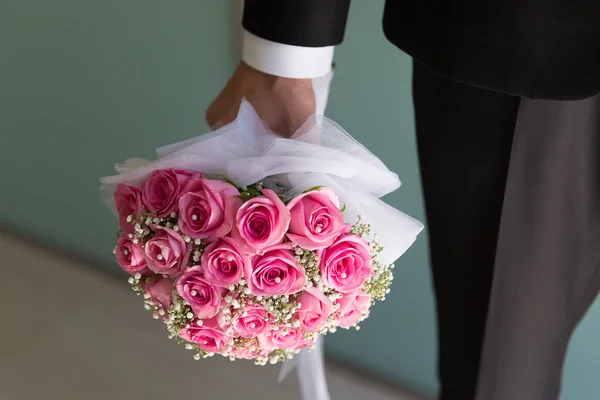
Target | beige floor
(68,332)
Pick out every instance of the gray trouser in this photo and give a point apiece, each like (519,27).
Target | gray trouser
(547,271)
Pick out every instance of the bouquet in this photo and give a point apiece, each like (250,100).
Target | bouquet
(251,246)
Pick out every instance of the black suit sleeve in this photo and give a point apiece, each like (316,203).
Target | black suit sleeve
(306,23)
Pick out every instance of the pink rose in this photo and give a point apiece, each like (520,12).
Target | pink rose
(128,200)
(199,293)
(245,353)
(167,252)
(183,176)
(160,192)
(304,343)
(290,338)
(161,292)
(276,272)
(209,336)
(130,256)
(346,264)
(352,307)
(223,262)
(316,219)
(208,207)
(254,323)
(261,222)
(315,309)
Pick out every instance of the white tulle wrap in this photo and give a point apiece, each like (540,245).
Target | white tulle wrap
(320,153)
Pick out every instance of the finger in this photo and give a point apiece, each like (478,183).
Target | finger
(216,119)
(216,125)
(211,117)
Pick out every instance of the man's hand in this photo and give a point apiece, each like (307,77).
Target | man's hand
(282,103)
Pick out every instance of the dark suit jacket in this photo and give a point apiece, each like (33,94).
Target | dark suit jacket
(531,48)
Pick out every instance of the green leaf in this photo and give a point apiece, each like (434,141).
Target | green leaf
(253,192)
(245,196)
(228,180)
(343,208)
(312,189)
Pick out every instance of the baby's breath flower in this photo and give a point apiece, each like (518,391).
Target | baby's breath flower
(379,285)
(310,262)
(360,229)
(137,283)
(177,316)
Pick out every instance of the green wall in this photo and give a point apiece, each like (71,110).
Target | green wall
(85,84)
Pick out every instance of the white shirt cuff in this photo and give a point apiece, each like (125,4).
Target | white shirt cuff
(286,60)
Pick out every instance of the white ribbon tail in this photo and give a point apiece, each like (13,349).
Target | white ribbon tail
(310,366)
